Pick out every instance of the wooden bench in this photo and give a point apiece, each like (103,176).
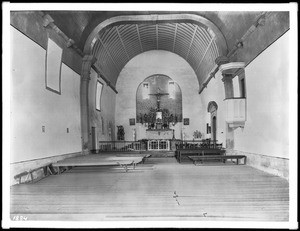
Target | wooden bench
(203,152)
(47,171)
(144,156)
(197,159)
(123,162)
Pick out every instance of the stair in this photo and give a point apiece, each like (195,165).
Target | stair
(160,153)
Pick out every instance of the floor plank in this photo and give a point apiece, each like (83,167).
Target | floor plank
(160,189)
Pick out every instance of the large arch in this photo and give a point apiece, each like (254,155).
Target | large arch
(197,40)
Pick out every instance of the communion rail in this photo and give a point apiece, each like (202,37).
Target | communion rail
(156,144)
(122,146)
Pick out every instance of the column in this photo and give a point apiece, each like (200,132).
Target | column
(87,63)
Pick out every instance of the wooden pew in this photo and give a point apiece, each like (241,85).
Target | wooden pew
(203,152)
(197,159)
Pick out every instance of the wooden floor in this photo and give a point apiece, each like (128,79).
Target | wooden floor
(160,189)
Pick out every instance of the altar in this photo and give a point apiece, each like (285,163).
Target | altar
(159,134)
(158,123)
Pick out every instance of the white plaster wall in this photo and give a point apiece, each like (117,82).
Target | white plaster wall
(266,128)
(157,62)
(214,92)
(33,106)
(107,113)
(267,77)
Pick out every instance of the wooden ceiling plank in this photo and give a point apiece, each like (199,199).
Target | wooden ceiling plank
(121,40)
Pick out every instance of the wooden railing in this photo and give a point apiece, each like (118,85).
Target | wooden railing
(198,144)
(144,145)
(122,146)
(157,145)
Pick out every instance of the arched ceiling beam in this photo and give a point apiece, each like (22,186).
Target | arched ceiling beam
(139,36)
(108,53)
(156,31)
(175,33)
(192,40)
(207,48)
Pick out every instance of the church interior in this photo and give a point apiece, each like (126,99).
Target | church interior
(149,115)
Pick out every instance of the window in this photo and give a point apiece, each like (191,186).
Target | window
(98,95)
(146,91)
(236,87)
(53,67)
(172,90)
(242,88)
(242,84)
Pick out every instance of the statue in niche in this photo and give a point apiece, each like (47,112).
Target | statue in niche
(146,118)
(176,119)
(140,119)
(171,119)
(166,115)
(121,133)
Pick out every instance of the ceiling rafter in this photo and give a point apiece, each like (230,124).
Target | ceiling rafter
(207,48)
(121,40)
(139,37)
(192,40)
(175,36)
(108,53)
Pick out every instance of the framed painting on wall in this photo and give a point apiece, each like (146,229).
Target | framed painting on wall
(186,121)
(53,67)
(131,122)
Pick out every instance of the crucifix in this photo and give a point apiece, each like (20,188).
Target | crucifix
(158,95)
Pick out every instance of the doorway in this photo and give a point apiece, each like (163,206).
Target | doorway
(94,139)
(214,128)
(212,109)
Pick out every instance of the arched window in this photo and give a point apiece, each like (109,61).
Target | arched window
(212,109)
(98,95)
(172,90)
(146,91)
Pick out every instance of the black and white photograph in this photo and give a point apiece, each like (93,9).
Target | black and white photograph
(149,115)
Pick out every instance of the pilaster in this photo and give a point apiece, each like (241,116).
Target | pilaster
(87,63)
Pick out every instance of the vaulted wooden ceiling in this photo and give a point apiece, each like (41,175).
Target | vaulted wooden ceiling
(116,44)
